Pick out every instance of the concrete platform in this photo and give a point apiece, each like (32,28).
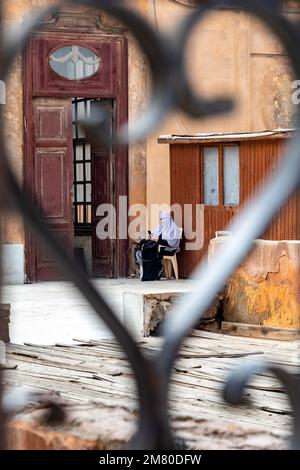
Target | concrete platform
(144,311)
(55,312)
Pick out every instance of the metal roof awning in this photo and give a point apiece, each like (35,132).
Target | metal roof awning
(235,137)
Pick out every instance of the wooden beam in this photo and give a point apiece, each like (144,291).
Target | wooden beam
(260,331)
(222,138)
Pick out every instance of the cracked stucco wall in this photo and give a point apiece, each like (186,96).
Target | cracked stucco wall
(157,306)
(264,290)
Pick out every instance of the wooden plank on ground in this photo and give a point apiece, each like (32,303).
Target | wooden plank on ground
(98,374)
(260,331)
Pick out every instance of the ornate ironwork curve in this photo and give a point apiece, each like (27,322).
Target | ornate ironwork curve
(171,90)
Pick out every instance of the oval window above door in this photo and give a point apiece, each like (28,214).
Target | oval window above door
(74,62)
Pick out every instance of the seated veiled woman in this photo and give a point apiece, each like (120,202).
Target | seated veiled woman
(167,235)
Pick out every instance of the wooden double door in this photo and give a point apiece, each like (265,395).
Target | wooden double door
(50,158)
(56,187)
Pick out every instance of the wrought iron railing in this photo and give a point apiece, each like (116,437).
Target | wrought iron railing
(171,90)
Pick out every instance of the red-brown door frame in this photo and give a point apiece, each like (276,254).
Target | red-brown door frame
(119,94)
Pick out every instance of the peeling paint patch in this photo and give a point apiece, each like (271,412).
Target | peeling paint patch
(283,112)
(264,290)
(273,301)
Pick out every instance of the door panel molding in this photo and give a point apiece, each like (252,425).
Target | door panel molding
(50,163)
(52,121)
(53,175)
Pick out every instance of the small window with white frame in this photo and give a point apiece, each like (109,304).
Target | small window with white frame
(221,175)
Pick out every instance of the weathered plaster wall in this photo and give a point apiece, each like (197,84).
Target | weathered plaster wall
(264,290)
(231,54)
(13,231)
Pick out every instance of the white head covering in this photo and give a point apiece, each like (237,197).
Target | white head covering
(168,230)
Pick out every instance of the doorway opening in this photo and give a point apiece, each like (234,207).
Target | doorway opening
(93,170)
